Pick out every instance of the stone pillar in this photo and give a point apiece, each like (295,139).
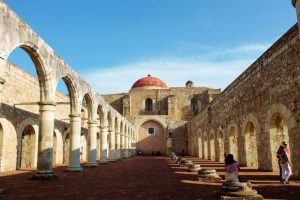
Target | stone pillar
(92,132)
(104,149)
(122,147)
(112,144)
(45,142)
(129,147)
(126,146)
(296,4)
(118,146)
(75,129)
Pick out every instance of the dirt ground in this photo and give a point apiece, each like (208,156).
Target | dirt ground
(137,178)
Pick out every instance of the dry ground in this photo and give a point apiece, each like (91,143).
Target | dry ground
(137,178)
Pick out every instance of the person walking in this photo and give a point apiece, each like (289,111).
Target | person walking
(285,164)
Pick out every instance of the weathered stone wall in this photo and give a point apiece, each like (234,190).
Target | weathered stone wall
(263,106)
(170,106)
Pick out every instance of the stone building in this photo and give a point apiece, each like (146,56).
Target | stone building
(160,113)
(256,112)
(40,127)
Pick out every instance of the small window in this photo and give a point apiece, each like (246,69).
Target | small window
(151,131)
(148,106)
(194,104)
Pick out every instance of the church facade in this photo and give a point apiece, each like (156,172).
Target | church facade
(160,113)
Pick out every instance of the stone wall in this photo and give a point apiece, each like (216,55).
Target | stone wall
(257,111)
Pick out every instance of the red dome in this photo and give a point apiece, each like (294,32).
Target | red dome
(149,82)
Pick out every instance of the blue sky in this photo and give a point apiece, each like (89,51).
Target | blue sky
(113,43)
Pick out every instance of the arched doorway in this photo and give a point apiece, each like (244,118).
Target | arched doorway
(200,145)
(151,138)
(278,134)
(83,147)
(220,146)
(66,149)
(250,145)
(233,142)
(28,147)
(212,145)
(205,146)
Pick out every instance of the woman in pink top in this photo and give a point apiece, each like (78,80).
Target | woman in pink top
(232,169)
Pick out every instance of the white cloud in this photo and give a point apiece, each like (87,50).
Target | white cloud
(206,70)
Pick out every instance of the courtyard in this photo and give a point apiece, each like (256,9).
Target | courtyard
(138,178)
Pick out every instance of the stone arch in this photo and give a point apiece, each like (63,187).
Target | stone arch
(250,132)
(277,124)
(220,156)
(152,137)
(83,146)
(66,146)
(212,149)
(205,146)
(30,140)
(148,105)
(44,75)
(250,145)
(199,140)
(8,146)
(57,147)
(28,154)
(90,104)
(233,140)
(73,92)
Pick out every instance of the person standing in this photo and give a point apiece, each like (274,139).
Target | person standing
(285,164)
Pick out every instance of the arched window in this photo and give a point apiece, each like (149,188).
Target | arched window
(148,105)
(194,104)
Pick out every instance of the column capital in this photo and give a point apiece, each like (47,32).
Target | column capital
(74,115)
(92,123)
(47,103)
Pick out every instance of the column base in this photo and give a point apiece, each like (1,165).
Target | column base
(74,169)
(44,175)
(91,165)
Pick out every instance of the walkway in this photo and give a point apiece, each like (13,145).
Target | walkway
(135,178)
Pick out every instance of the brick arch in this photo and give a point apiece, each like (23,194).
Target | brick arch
(277,134)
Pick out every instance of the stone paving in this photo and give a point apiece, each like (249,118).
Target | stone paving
(137,178)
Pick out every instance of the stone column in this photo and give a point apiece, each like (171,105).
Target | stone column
(118,146)
(112,143)
(122,149)
(75,129)
(296,4)
(45,142)
(126,146)
(92,132)
(104,150)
